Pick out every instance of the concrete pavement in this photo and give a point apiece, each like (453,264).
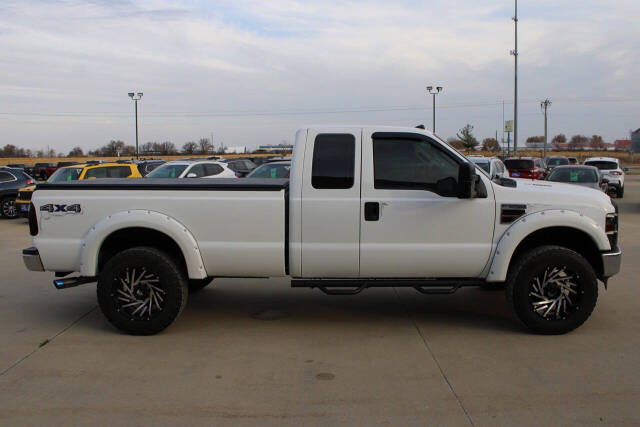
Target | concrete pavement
(258,352)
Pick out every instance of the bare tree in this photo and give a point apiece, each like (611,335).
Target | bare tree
(490,144)
(205,145)
(189,147)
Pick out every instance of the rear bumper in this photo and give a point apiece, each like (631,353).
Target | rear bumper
(31,259)
(611,262)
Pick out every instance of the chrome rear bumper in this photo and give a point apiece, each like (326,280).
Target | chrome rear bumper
(31,259)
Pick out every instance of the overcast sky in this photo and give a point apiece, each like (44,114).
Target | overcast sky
(251,73)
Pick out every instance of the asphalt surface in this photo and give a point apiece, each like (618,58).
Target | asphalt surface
(256,352)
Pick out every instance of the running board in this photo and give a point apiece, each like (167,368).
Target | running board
(355,286)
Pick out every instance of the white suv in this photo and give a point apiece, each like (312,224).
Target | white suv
(611,170)
(493,166)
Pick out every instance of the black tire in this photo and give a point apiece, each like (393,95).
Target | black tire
(532,302)
(8,208)
(620,192)
(196,285)
(164,291)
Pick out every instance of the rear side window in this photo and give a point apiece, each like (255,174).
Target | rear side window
(6,177)
(119,172)
(211,169)
(334,158)
(96,173)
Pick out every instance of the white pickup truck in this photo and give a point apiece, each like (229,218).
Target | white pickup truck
(365,207)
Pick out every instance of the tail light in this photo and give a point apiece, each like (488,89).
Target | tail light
(33,220)
(611,228)
(615,173)
(29,181)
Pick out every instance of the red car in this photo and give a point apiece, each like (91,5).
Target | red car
(526,167)
(54,167)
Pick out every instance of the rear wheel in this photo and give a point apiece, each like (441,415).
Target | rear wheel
(552,290)
(141,291)
(8,208)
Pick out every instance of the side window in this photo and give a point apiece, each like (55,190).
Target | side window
(198,170)
(233,166)
(334,158)
(118,172)
(6,177)
(96,173)
(407,164)
(211,169)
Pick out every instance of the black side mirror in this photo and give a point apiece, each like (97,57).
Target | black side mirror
(625,169)
(466,180)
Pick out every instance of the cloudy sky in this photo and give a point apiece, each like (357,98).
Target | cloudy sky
(251,73)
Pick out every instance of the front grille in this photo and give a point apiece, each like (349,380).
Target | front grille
(25,195)
(510,213)
(611,228)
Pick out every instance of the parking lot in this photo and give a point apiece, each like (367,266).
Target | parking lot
(259,352)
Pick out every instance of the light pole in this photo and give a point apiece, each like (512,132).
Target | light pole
(434,93)
(514,52)
(545,106)
(136,97)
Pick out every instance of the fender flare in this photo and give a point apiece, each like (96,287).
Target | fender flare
(533,222)
(98,233)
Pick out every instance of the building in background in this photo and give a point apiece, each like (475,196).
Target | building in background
(279,148)
(235,150)
(635,141)
(622,144)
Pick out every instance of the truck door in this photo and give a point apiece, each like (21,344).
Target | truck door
(412,223)
(331,204)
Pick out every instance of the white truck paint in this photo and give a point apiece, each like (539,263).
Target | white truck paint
(374,227)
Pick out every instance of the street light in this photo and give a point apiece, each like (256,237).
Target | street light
(136,97)
(434,93)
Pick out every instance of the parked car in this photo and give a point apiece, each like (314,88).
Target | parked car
(146,166)
(104,170)
(192,169)
(279,169)
(364,207)
(40,170)
(553,161)
(573,160)
(586,176)
(11,180)
(526,167)
(610,168)
(26,169)
(241,166)
(50,170)
(493,166)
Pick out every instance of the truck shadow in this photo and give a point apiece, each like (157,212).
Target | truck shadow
(234,302)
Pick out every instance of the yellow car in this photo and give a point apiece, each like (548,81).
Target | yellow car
(75,173)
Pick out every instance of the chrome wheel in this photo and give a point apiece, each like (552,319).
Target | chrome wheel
(9,208)
(138,294)
(555,294)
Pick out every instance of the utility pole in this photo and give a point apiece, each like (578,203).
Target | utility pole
(514,52)
(545,105)
(434,93)
(136,97)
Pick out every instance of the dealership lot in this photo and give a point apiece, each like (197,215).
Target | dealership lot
(258,352)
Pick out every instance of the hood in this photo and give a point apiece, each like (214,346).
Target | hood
(544,195)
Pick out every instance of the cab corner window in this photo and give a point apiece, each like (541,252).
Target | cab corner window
(408,164)
(333,161)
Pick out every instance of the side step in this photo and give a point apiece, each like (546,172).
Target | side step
(355,286)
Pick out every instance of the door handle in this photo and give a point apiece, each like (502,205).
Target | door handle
(371,211)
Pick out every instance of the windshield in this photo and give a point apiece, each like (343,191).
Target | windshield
(167,171)
(280,170)
(579,175)
(482,163)
(518,164)
(557,161)
(603,164)
(65,174)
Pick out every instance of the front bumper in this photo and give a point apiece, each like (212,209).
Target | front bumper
(31,259)
(611,261)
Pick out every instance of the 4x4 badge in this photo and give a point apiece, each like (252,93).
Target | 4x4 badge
(61,209)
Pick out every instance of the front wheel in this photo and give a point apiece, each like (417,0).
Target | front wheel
(552,290)
(141,291)
(8,208)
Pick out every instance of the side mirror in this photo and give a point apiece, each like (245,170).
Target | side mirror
(466,180)
(192,175)
(625,169)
